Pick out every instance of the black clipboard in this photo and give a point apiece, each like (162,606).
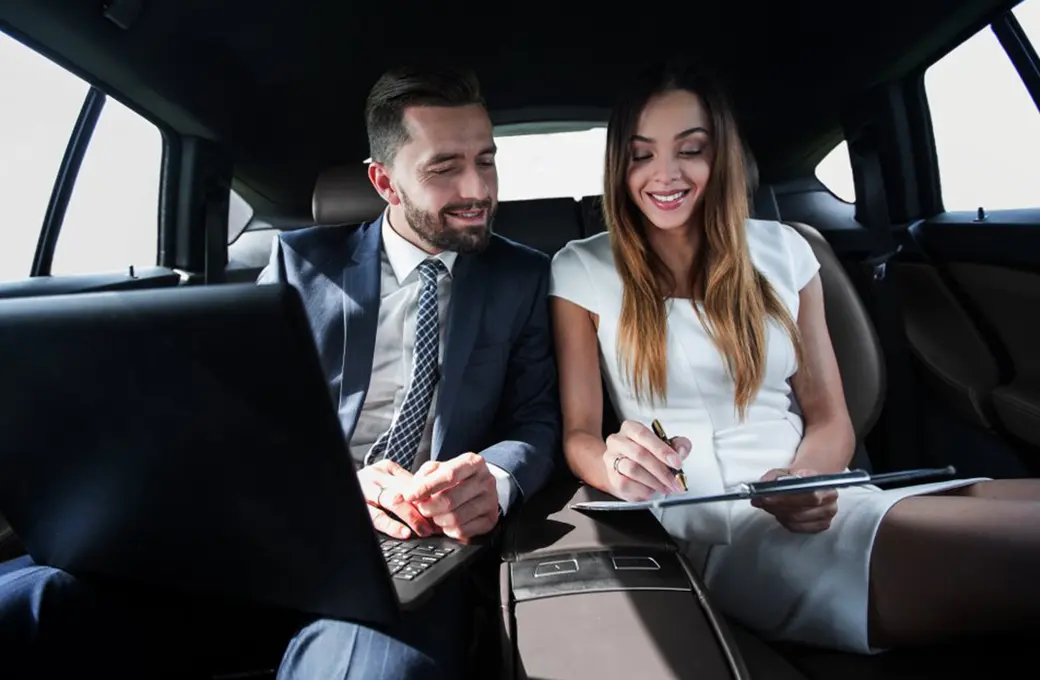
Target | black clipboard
(784,485)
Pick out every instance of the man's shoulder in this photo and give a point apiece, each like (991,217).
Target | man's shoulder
(322,237)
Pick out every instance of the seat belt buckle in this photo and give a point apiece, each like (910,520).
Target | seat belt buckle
(879,263)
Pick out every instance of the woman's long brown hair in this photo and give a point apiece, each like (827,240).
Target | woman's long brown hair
(737,298)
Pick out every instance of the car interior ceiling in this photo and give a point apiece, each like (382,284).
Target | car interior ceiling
(924,306)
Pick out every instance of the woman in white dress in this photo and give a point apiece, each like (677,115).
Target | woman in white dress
(862,570)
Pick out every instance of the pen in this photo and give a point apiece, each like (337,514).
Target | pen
(659,431)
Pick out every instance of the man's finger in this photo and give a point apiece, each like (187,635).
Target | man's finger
(474,528)
(387,525)
(371,488)
(427,467)
(391,468)
(393,500)
(447,501)
(480,504)
(445,476)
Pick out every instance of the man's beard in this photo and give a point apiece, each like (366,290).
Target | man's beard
(433,228)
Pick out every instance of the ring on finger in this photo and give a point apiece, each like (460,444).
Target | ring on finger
(617,461)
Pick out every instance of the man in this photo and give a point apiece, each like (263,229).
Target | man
(442,446)
(434,337)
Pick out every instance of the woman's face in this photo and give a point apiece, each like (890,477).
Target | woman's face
(670,157)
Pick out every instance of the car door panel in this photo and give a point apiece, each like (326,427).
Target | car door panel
(991,268)
(157,277)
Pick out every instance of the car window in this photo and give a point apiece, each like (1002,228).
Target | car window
(563,164)
(112,219)
(40,106)
(986,126)
(835,173)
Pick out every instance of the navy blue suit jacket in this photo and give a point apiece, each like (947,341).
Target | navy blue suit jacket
(498,393)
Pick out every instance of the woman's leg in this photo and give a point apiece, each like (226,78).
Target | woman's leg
(949,565)
(1002,489)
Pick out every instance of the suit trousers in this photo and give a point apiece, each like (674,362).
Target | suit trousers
(53,624)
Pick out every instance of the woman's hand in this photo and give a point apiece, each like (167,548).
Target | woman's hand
(806,513)
(639,465)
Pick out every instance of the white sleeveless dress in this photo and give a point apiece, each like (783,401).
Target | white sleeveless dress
(808,588)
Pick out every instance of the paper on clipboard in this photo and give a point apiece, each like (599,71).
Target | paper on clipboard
(786,485)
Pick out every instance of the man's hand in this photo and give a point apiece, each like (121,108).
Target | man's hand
(384,484)
(806,513)
(457,495)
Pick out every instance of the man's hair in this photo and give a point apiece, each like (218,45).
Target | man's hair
(404,87)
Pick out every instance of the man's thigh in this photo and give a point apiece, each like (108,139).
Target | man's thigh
(341,650)
(51,622)
(430,642)
(50,617)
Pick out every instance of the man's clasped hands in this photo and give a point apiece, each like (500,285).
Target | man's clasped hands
(456,498)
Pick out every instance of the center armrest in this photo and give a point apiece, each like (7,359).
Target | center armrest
(604,595)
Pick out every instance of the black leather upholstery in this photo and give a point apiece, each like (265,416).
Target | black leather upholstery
(545,224)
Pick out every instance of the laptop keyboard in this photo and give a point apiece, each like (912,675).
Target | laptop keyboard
(407,560)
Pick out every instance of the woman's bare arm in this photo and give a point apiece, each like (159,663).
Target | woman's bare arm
(581,391)
(633,463)
(829,440)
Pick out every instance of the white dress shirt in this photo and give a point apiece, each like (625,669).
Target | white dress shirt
(394,349)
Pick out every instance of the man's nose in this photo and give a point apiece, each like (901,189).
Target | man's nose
(473,185)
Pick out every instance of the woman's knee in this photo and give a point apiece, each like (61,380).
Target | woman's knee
(932,563)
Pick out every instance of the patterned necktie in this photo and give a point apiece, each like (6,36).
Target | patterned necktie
(401,441)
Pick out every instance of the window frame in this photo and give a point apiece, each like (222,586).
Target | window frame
(1023,57)
(79,138)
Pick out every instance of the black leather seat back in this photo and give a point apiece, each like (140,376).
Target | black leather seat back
(546,224)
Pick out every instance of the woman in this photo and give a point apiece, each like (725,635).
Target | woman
(701,317)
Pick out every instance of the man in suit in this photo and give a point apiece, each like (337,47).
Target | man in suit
(434,337)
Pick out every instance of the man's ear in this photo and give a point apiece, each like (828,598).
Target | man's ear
(379,176)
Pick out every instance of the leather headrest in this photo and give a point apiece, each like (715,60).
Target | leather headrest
(343,195)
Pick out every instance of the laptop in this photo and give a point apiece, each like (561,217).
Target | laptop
(187,438)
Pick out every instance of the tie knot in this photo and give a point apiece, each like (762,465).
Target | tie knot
(429,270)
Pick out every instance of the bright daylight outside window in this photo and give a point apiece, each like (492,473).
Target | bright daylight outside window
(557,164)
(835,172)
(111,220)
(986,127)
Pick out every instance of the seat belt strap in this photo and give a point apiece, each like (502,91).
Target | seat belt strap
(897,435)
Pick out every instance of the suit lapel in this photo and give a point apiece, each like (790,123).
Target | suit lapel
(360,316)
(464,314)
